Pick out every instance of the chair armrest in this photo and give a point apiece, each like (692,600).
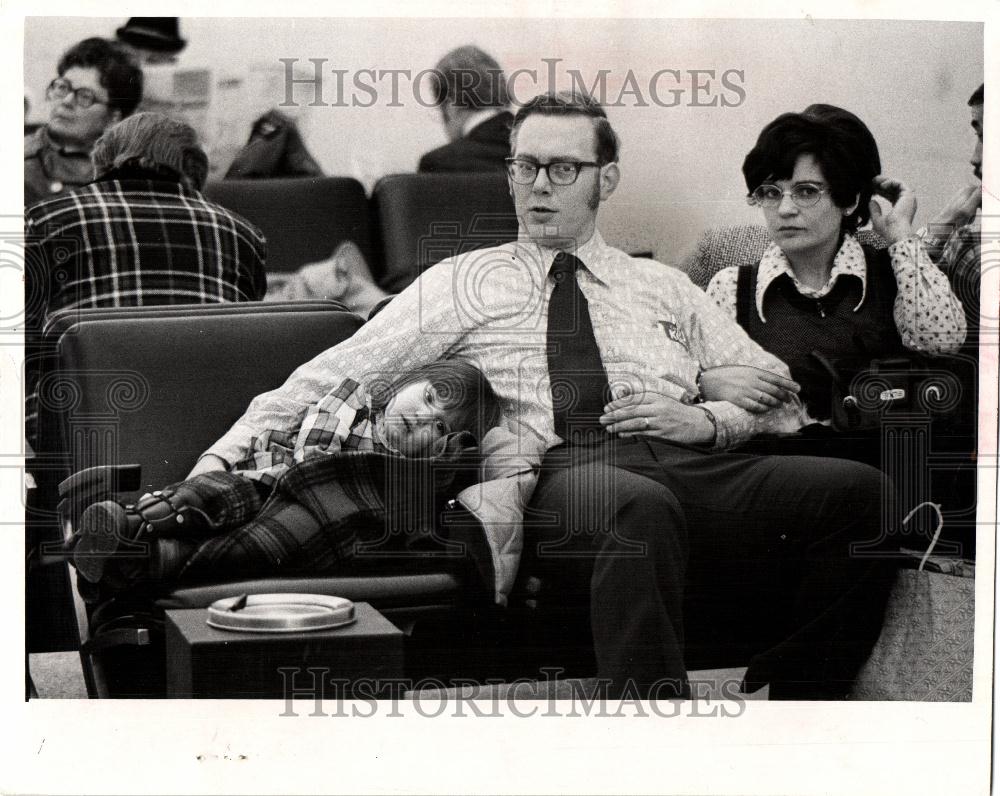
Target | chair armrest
(105,479)
(86,487)
(119,637)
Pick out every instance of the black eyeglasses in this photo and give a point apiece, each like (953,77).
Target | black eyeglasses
(559,172)
(805,194)
(60,88)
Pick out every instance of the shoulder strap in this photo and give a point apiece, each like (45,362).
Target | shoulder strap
(746,282)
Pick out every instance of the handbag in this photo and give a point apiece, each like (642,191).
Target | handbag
(865,390)
(924,653)
(275,149)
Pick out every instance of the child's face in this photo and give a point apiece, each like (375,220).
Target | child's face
(413,420)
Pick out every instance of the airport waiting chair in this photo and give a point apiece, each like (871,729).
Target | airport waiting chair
(156,388)
(49,628)
(425,218)
(303,219)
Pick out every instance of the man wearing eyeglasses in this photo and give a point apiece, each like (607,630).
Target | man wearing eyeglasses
(638,508)
(96,87)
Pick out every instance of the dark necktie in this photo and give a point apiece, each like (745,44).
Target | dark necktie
(578,380)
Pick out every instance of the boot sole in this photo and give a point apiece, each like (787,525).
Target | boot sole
(102,528)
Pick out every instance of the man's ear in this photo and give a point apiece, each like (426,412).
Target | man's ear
(453,117)
(610,175)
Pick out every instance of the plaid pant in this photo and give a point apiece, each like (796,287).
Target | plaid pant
(318,513)
(259,531)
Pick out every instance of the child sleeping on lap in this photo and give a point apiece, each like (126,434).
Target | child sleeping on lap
(364,465)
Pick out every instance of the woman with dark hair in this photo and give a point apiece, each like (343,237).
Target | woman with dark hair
(815,176)
(96,86)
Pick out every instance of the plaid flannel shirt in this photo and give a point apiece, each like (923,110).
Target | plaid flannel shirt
(340,421)
(132,242)
(961,260)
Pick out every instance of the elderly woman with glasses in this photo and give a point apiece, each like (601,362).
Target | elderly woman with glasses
(814,175)
(97,86)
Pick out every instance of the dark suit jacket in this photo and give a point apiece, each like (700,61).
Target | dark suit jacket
(483,148)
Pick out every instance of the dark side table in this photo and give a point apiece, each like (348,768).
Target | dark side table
(363,660)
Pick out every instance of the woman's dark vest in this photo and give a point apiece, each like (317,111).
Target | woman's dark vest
(797,325)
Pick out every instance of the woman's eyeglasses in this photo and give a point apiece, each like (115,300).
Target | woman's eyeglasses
(805,194)
(60,88)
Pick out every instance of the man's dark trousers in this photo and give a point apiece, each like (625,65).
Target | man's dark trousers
(763,545)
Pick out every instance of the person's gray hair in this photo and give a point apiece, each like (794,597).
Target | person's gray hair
(155,142)
(469,78)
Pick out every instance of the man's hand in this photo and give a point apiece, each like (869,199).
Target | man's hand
(750,388)
(208,464)
(959,211)
(897,224)
(657,415)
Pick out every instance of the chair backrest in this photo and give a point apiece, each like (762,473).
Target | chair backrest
(743,244)
(303,219)
(62,320)
(425,218)
(159,388)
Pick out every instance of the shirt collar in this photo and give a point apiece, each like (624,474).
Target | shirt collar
(48,142)
(593,255)
(849,261)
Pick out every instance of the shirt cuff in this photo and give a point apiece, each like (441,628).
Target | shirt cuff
(910,245)
(732,425)
(711,419)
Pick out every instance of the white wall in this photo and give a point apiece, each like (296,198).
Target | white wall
(908,80)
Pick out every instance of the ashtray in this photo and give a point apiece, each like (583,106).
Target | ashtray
(280,613)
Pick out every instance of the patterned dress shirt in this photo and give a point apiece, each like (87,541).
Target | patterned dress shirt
(928,316)
(655,331)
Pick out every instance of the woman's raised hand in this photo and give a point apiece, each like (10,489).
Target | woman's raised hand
(896,224)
